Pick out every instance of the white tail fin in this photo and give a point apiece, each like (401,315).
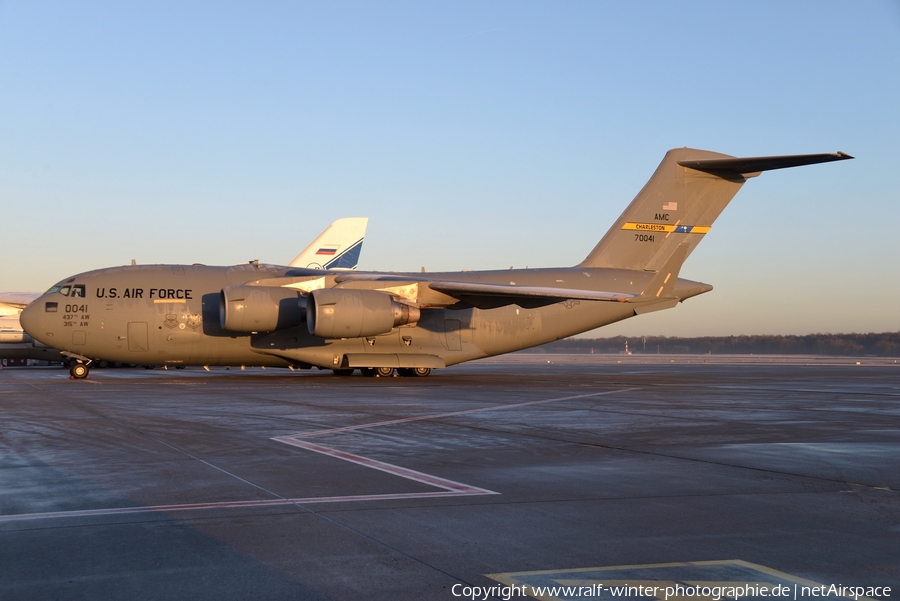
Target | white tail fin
(338,247)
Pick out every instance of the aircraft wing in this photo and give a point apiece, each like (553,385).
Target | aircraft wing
(17,300)
(507,290)
(481,294)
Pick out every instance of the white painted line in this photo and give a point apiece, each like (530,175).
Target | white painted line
(457,488)
(450,487)
(450,414)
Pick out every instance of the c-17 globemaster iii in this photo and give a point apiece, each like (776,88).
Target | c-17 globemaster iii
(268,315)
(338,247)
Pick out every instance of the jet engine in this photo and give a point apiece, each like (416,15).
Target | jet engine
(260,308)
(341,313)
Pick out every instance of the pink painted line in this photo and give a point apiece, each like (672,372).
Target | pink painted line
(145,509)
(231,505)
(450,414)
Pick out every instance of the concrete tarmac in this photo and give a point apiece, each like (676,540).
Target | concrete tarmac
(523,470)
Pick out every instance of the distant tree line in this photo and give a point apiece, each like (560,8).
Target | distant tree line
(882,345)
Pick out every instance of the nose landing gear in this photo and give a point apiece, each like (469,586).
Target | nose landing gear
(79,371)
(79,366)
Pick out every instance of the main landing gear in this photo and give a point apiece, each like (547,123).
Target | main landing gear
(414,372)
(381,372)
(386,372)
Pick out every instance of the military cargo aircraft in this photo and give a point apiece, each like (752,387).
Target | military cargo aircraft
(267,315)
(337,248)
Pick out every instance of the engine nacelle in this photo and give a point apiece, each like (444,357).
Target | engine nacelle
(343,313)
(260,308)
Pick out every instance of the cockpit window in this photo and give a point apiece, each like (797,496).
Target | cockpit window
(77,290)
(65,290)
(52,290)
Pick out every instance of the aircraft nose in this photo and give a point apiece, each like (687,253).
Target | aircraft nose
(30,318)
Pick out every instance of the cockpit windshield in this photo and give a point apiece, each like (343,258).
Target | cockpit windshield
(74,290)
(52,290)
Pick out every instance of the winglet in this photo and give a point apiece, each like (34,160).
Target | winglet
(663,283)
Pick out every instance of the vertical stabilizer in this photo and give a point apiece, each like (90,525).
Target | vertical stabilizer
(679,204)
(338,247)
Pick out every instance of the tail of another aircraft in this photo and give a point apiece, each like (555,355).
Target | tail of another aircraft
(679,204)
(338,247)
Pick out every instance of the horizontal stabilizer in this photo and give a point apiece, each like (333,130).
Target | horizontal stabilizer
(757,164)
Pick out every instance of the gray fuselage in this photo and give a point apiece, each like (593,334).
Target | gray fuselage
(169,315)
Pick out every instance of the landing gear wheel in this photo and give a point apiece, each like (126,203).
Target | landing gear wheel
(79,371)
(414,372)
(368,372)
(343,372)
(384,372)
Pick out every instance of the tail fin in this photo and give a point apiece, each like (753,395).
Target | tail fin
(679,204)
(338,247)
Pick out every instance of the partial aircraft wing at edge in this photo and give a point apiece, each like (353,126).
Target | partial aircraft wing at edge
(18,300)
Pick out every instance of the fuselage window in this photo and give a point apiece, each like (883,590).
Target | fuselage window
(78,290)
(65,290)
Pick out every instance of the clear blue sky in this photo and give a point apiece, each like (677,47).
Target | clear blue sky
(474,136)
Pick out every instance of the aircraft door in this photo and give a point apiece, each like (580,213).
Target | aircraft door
(138,340)
(451,330)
